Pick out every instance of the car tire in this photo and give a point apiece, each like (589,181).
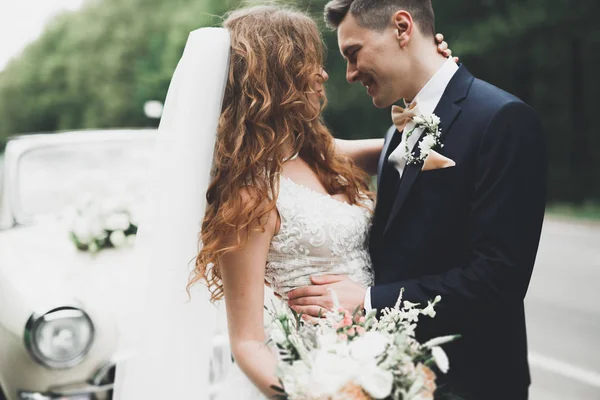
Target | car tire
(2,397)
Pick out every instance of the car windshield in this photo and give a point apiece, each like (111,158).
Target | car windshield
(55,178)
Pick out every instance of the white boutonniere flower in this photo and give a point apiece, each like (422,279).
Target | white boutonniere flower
(427,144)
(431,137)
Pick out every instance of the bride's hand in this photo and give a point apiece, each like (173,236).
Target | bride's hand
(443,46)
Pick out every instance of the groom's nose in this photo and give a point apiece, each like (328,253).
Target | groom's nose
(351,73)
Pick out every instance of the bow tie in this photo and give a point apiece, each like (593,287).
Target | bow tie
(402,116)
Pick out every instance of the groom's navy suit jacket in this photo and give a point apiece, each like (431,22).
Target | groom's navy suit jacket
(469,233)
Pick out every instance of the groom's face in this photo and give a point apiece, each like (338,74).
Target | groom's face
(375,59)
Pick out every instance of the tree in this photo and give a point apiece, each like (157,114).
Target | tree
(95,68)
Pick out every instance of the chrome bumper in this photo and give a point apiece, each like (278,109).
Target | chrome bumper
(98,387)
(83,393)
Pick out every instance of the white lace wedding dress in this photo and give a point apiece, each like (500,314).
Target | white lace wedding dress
(318,235)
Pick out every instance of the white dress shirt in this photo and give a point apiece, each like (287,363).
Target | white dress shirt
(427,100)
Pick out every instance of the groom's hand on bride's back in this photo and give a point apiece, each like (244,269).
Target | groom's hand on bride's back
(315,300)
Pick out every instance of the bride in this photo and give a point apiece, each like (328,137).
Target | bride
(280,199)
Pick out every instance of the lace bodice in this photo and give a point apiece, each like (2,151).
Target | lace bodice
(318,235)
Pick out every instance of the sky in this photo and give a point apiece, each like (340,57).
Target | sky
(22,21)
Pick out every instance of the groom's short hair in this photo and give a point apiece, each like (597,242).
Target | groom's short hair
(376,14)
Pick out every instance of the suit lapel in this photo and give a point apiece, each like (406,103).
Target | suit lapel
(385,182)
(385,153)
(447,110)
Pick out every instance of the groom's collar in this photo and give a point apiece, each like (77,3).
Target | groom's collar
(429,96)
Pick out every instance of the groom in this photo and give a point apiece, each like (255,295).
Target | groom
(465,221)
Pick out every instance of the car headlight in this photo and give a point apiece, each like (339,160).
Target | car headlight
(59,338)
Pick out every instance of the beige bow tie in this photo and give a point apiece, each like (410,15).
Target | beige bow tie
(402,116)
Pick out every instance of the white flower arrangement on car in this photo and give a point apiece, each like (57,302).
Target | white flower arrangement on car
(353,357)
(100,225)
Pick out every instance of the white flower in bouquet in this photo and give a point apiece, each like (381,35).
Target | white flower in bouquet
(342,350)
(410,315)
(429,310)
(331,342)
(407,368)
(327,340)
(407,305)
(118,221)
(368,347)
(439,341)
(440,358)
(296,379)
(330,372)
(377,382)
(117,238)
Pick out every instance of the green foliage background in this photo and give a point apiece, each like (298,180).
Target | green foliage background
(95,68)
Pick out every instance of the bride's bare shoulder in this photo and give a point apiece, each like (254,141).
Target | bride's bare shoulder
(270,221)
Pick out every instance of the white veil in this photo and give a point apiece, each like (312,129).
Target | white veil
(172,339)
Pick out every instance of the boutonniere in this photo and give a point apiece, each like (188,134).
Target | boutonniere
(430,141)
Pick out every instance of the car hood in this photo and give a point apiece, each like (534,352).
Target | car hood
(40,269)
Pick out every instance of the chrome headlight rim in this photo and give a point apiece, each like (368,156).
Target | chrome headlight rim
(34,322)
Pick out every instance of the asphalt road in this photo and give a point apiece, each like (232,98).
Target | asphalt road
(563,313)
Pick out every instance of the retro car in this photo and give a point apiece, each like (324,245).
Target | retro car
(61,301)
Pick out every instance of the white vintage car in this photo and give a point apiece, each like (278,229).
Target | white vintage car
(61,309)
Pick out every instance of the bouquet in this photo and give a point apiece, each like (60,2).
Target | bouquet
(101,225)
(349,356)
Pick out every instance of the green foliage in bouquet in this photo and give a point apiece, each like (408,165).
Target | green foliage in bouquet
(354,356)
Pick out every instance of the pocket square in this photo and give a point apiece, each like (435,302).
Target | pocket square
(437,161)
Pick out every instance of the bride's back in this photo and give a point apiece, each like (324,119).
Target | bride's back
(272,111)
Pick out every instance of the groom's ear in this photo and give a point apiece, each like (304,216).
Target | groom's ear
(403,27)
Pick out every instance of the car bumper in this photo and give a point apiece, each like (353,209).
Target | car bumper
(84,393)
(98,387)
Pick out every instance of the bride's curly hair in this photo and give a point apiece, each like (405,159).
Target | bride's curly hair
(267,117)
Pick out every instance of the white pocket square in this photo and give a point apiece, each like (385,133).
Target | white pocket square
(437,161)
